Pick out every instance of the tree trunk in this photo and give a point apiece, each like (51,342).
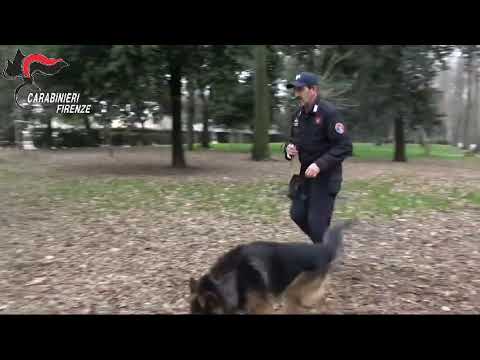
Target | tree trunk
(86,123)
(191,114)
(48,133)
(178,159)
(400,149)
(18,138)
(107,136)
(142,137)
(261,149)
(311,61)
(205,115)
(459,108)
(424,140)
(476,113)
(445,104)
(468,112)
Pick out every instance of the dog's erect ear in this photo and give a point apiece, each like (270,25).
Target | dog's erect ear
(193,285)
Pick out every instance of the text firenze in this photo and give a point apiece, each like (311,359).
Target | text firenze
(67,103)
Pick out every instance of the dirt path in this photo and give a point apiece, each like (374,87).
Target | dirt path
(66,260)
(210,165)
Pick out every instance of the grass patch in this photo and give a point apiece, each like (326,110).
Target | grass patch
(265,201)
(109,194)
(367,151)
(122,194)
(473,197)
(275,148)
(380,197)
(362,151)
(7,175)
(385,199)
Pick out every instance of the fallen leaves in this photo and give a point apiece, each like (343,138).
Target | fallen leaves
(36,281)
(371,278)
(64,258)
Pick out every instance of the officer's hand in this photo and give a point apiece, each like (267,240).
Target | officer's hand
(292,150)
(312,171)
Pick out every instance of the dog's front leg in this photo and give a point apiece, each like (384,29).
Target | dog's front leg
(259,304)
(305,293)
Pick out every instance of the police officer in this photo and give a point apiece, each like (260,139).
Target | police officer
(320,139)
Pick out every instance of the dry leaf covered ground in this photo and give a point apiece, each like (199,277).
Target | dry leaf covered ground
(83,232)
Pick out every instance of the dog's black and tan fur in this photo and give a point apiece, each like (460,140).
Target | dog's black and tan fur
(250,277)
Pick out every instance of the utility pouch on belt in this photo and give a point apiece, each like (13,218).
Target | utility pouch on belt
(294,186)
(296,180)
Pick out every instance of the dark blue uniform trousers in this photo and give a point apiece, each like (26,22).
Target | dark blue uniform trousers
(313,206)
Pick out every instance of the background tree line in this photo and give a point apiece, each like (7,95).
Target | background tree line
(384,91)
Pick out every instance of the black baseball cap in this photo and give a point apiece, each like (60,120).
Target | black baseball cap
(303,79)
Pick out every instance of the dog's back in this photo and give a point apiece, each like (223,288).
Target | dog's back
(251,273)
(283,262)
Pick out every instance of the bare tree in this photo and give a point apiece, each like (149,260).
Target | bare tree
(191,113)
(261,148)
(476,113)
(469,108)
(458,104)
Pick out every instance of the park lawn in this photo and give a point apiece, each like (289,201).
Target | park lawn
(362,151)
(387,198)
(474,197)
(382,198)
(114,195)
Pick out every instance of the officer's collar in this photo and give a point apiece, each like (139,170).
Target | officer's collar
(314,108)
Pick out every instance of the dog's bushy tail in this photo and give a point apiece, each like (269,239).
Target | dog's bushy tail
(333,238)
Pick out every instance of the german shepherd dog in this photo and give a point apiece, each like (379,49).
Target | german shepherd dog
(249,278)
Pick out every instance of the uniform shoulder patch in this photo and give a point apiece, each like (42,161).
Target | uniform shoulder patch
(339,128)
